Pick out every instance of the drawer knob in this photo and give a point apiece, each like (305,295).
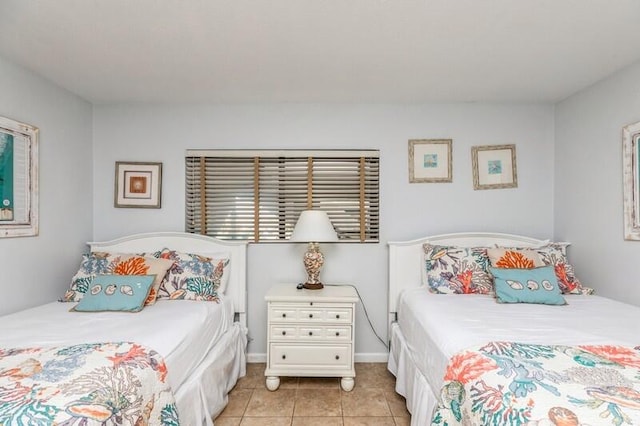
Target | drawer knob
(284,333)
(337,333)
(310,315)
(311,333)
(284,357)
(284,315)
(338,316)
(337,356)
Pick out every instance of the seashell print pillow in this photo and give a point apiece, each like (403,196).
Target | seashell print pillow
(530,285)
(103,263)
(123,293)
(555,254)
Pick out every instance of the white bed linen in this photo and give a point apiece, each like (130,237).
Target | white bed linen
(433,327)
(182,331)
(204,395)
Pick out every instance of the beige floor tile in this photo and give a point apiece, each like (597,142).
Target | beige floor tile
(250,382)
(397,403)
(400,421)
(227,421)
(288,383)
(374,375)
(238,400)
(265,421)
(319,382)
(317,402)
(364,402)
(368,421)
(264,403)
(316,421)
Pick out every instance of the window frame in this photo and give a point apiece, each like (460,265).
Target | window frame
(287,180)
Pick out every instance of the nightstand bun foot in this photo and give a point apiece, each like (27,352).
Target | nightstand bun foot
(273,383)
(347,384)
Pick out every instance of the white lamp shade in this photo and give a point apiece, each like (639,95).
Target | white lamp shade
(314,226)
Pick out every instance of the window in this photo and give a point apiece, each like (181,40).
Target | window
(258,195)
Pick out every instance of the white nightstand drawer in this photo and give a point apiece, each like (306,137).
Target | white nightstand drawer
(309,333)
(282,332)
(283,314)
(311,357)
(312,314)
(339,315)
(338,333)
(307,314)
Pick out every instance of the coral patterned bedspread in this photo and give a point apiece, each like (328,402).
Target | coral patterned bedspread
(86,384)
(507,383)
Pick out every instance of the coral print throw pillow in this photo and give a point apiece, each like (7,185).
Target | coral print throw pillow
(514,258)
(459,270)
(193,276)
(101,263)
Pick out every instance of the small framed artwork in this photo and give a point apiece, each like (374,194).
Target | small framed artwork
(138,184)
(631,180)
(430,160)
(494,166)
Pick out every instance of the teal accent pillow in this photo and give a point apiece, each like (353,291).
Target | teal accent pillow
(125,293)
(535,285)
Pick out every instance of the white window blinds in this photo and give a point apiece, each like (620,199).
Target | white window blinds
(258,195)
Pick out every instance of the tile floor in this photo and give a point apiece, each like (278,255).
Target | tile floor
(316,401)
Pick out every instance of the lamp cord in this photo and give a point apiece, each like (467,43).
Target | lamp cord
(364,308)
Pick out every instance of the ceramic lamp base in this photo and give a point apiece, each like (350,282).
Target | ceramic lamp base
(313,260)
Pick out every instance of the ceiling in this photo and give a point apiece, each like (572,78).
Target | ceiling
(254,51)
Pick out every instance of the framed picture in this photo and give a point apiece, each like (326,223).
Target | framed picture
(138,184)
(18,179)
(494,166)
(631,180)
(430,160)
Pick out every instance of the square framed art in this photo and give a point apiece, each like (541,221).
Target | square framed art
(494,166)
(430,160)
(138,184)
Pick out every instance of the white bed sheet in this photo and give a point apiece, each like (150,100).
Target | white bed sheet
(433,327)
(182,331)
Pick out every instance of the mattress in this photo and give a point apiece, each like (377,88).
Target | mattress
(436,326)
(182,331)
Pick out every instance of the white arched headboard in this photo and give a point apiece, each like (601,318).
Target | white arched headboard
(235,251)
(406,265)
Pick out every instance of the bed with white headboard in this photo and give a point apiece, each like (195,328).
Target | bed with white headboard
(406,257)
(202,343)
(429,331)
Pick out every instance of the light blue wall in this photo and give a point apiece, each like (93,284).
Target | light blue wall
(37,269)
(588,188)
(163,133)
(76,182)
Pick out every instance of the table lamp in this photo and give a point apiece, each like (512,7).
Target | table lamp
(313,227)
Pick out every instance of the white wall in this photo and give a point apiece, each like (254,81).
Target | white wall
(163,133)
(38,269)
(588,190)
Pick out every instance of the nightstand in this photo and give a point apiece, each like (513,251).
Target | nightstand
(310,333)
